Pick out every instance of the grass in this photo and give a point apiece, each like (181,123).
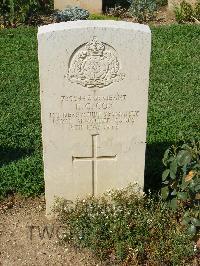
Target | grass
(102,17)
(20,129)
(173,103)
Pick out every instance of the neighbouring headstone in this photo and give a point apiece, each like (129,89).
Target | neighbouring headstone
(94,78)
(93,6)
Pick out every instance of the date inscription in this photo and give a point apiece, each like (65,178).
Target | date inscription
(94,113)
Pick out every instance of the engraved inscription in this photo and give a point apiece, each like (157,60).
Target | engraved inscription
(94,120)
(94,65)
(94,112)
(94,159)
(93,102)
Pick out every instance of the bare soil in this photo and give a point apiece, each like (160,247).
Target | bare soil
(24,239)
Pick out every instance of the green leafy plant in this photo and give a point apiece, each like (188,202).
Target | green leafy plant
(143,10)
(125,226)
(7,11)
(71,14)
(197,10)
(118,12)
(20,11)
(116,3)
(186,13)
(161,3)
(181,181)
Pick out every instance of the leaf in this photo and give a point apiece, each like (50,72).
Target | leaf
(186,220)
(164,192)
(166,158)
(196,166)
(183,157)
(190,175)
(195,221)
(186,214)
(197,196)
(184,169)
(173,167)
(172,175)
(197,188)
(173,203)
(166,154)
(184,184)
(192,229)
(171,158)
(174,192)
(192,184)
(165,174)
(196,213)
(166,182)
(182,195)
(185,146)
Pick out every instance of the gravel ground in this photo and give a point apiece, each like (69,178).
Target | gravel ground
(22,241)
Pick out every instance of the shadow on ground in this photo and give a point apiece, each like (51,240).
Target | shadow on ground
(153,162)
(154,166)
(8,155)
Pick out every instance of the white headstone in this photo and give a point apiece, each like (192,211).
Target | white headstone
(94,78)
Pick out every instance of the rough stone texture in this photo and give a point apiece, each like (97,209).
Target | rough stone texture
(93,6)
(94,79)
(173,3)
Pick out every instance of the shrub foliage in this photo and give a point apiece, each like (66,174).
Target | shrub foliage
(71,14)
(143,10)
(186,13)
(181,181)
(20,11)
(125,227)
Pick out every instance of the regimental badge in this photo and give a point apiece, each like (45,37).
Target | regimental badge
(94,65)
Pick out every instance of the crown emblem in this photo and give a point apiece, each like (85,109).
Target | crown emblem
(94,65)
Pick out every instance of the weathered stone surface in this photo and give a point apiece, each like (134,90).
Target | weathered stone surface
(94,78)
(93,6)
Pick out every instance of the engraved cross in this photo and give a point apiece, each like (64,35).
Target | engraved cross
(94,159)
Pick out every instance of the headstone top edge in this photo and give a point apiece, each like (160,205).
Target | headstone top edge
(93,23)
